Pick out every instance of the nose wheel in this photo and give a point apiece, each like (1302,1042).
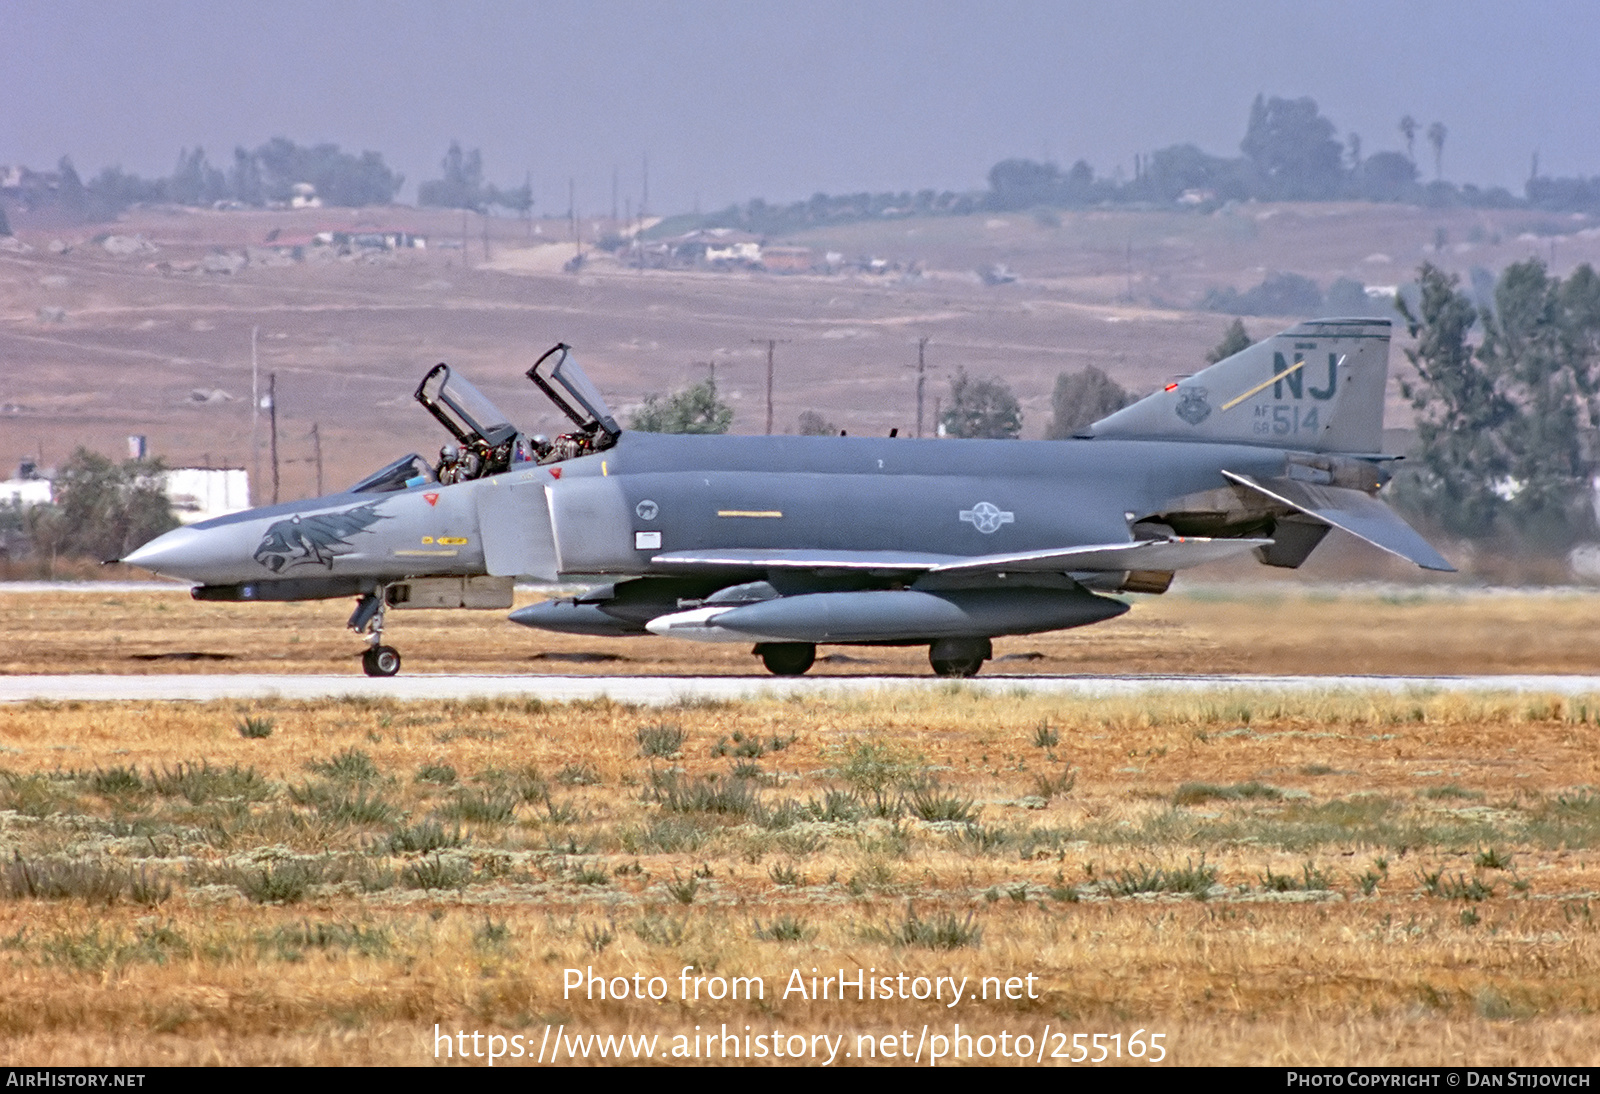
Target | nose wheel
(381,661)
(367,619)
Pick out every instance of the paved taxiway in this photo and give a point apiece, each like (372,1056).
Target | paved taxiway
(660,690)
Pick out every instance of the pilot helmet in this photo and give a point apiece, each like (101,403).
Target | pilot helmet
(449,453)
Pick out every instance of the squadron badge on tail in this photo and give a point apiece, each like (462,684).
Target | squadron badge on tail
(314,540)
(1192,405)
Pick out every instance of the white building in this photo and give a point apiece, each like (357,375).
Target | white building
(25,492)
(200,493)
(196,493)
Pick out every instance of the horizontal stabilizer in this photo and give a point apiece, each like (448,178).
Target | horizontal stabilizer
(1361,515)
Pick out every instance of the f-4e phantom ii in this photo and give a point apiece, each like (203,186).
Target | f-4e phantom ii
(791,542)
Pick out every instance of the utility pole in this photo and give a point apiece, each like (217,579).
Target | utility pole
(272,412)
(316,454)
(484,216)
(255,420)
(771,344)
(572,216)
(922,379)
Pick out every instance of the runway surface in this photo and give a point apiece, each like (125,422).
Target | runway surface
(662,690)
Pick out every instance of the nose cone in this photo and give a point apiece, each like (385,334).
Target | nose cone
(195,554)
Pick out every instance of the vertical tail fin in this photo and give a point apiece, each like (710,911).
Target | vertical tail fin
(1316,387)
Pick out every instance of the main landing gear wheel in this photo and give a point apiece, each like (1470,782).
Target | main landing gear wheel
(381,661)
(787,658)
(959,656)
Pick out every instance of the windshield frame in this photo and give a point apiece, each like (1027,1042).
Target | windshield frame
(399,475)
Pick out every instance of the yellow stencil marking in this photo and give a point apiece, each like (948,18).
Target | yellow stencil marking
(749,512)
(1262,386)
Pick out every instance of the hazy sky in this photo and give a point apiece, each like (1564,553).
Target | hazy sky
(776,99)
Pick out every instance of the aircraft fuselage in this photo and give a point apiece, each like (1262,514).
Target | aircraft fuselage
(626,511)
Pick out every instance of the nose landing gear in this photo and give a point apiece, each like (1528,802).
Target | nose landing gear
(381,661)
(378,659)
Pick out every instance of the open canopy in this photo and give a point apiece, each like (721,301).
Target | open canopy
(462,409)
(560,378)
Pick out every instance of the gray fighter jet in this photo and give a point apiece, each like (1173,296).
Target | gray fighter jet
(790,542)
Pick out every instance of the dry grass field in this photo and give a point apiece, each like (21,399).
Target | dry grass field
(1316,879)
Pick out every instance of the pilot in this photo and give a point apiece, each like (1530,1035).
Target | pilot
(449,464)
(540,444)
(565,447)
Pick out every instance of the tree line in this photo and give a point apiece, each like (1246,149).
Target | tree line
(265,176)
(262,176)
(1290,152)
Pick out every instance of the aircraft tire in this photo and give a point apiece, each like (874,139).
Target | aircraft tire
(959,656)
(381,661)
(787,658)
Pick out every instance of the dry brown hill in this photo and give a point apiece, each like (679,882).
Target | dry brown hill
(97,346)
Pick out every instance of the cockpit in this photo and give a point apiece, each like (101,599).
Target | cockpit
(485,442)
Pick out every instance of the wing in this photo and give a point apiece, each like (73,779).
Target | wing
(780,559)
(1356,512)
(1175,553)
